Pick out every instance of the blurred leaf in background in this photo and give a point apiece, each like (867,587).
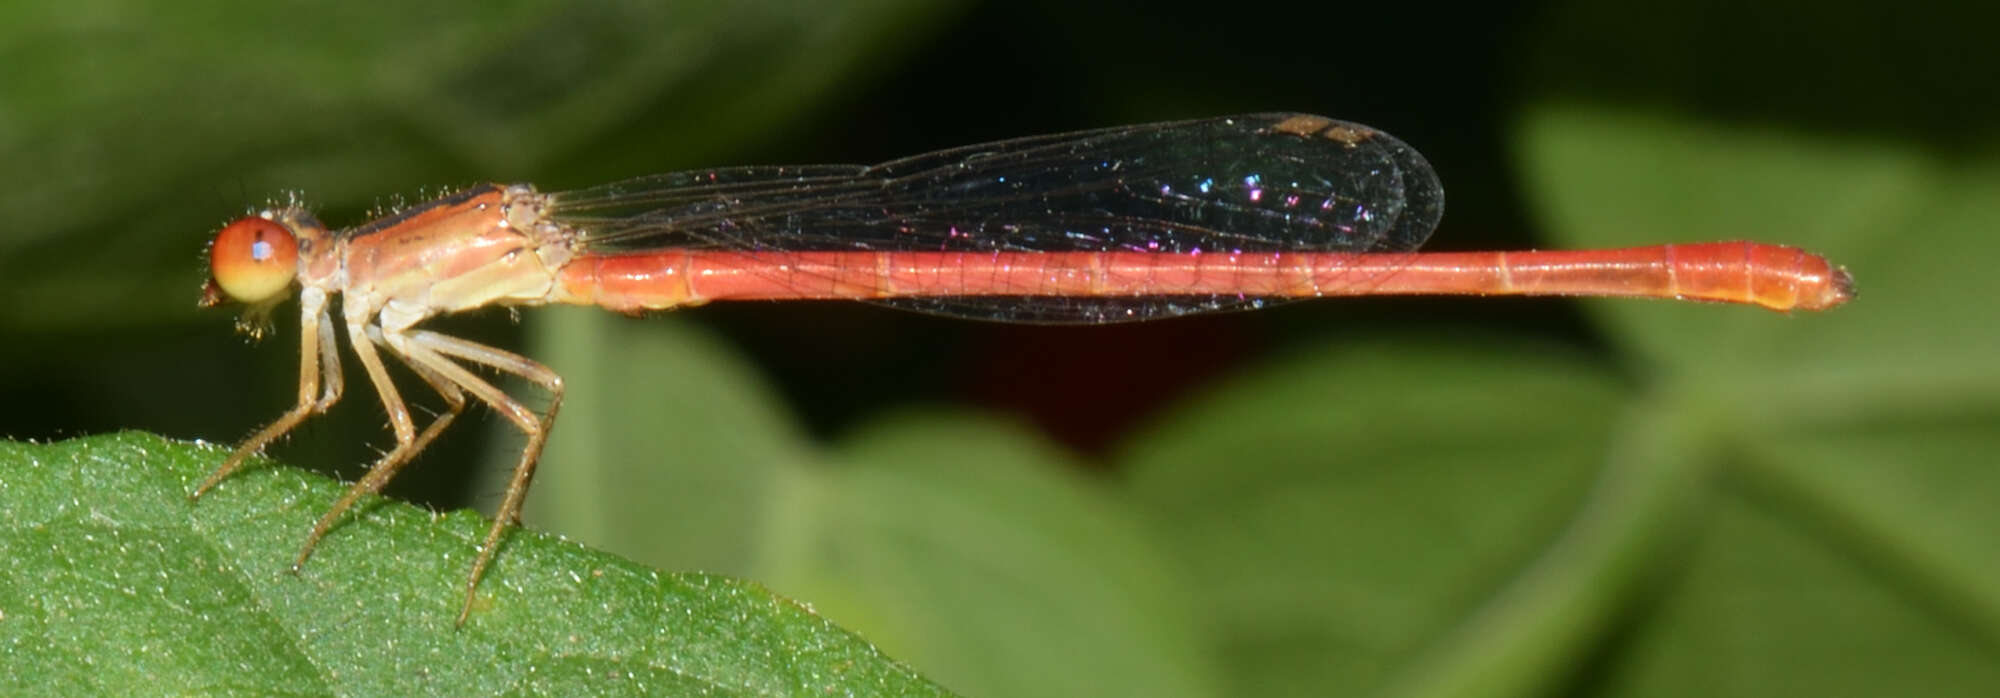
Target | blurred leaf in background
(1452,512)
(1457,497)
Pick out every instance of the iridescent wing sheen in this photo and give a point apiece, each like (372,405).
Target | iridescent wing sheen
(1248,184)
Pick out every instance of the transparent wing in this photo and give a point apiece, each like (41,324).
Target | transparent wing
(1257,183)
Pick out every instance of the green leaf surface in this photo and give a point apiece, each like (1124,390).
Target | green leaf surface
(1839,552)
(671,450)
(1909,223)
(975,549)
(966,546)
(1749,505)
(123,587)
(1781,595)
(1342,510)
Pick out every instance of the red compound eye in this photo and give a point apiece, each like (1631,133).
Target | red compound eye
(254,259)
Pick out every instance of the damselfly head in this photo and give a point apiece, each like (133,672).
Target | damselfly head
(252,261)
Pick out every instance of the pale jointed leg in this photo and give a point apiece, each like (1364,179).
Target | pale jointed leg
(319,372)
(430,349)
(390,463)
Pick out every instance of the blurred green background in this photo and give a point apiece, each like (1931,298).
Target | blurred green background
(1395,496)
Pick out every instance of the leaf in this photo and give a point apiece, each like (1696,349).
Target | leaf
(975,549)
(1343,509)
(1906,222)
(670,450)
(1740,503)
(1840,570)
(124,587)
(964,545)
(1852,450)
(1859,523)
